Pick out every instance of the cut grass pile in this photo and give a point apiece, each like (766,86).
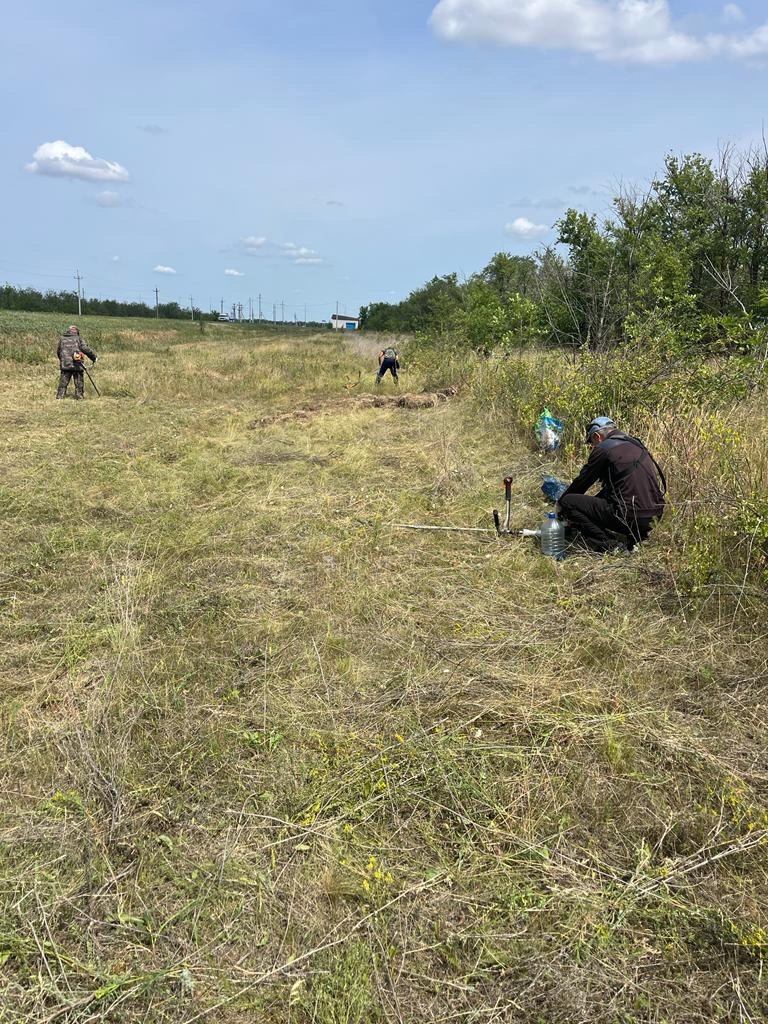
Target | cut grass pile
(268,759)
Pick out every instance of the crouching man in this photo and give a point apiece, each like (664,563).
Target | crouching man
(631,496)
(71,352)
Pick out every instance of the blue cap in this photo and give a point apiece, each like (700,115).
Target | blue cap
(599,424)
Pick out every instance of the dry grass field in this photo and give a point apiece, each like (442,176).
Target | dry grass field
(266,758)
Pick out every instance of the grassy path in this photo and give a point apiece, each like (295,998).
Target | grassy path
(268,759)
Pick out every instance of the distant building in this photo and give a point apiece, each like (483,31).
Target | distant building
(339,322)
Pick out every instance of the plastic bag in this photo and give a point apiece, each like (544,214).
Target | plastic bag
(553,489)
(549,431)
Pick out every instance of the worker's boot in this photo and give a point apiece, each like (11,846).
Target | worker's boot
(79,391)
(61,392)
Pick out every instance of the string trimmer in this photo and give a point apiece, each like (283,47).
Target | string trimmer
(503,529)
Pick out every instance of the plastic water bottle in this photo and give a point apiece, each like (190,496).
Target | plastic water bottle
(552,537)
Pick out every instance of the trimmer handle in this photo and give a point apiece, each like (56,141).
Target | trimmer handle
(502,528)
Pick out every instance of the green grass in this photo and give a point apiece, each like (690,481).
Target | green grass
(267,758)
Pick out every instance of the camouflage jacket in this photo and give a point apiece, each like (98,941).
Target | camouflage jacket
(69,343)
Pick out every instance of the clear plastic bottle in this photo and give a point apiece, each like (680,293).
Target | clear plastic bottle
(552,537)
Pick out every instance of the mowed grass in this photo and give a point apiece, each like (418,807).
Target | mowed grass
(267,758)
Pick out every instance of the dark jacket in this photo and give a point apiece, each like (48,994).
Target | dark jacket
(69,343)
(631,480)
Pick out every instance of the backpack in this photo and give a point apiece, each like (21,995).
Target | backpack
(70,353)
(390,353)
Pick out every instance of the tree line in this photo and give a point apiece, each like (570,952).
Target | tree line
(687,256)
(30,300)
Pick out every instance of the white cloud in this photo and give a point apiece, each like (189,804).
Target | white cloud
(115,259)
(521,227)
(733,13)
(640,31)
(109,198)
(160,269)
(252,245)
(301,255)
(234,273)
(60,160)
(152,129)
(297,251)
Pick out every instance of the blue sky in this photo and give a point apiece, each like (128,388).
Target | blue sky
(343,151)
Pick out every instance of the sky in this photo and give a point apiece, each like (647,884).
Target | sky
(343,152)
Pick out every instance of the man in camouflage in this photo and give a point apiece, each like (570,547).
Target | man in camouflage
(71,352)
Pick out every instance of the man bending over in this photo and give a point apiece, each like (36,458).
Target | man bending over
(388,361)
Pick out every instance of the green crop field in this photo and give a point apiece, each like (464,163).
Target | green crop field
(267,758)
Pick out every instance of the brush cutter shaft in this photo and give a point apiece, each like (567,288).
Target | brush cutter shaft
(90,378)
(454,529)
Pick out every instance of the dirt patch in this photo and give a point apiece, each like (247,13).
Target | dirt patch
(423,400)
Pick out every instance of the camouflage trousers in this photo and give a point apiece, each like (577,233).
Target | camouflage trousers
(79,378)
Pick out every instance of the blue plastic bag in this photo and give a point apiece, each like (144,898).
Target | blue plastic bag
(553,489)
(549,431)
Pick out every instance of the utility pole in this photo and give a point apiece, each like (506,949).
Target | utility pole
(250,310)
(157,303)
(221,309)
(282,313)
(234,312)
(259,307)
(274,313)
(192,308)
(305,314)
(79,294)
